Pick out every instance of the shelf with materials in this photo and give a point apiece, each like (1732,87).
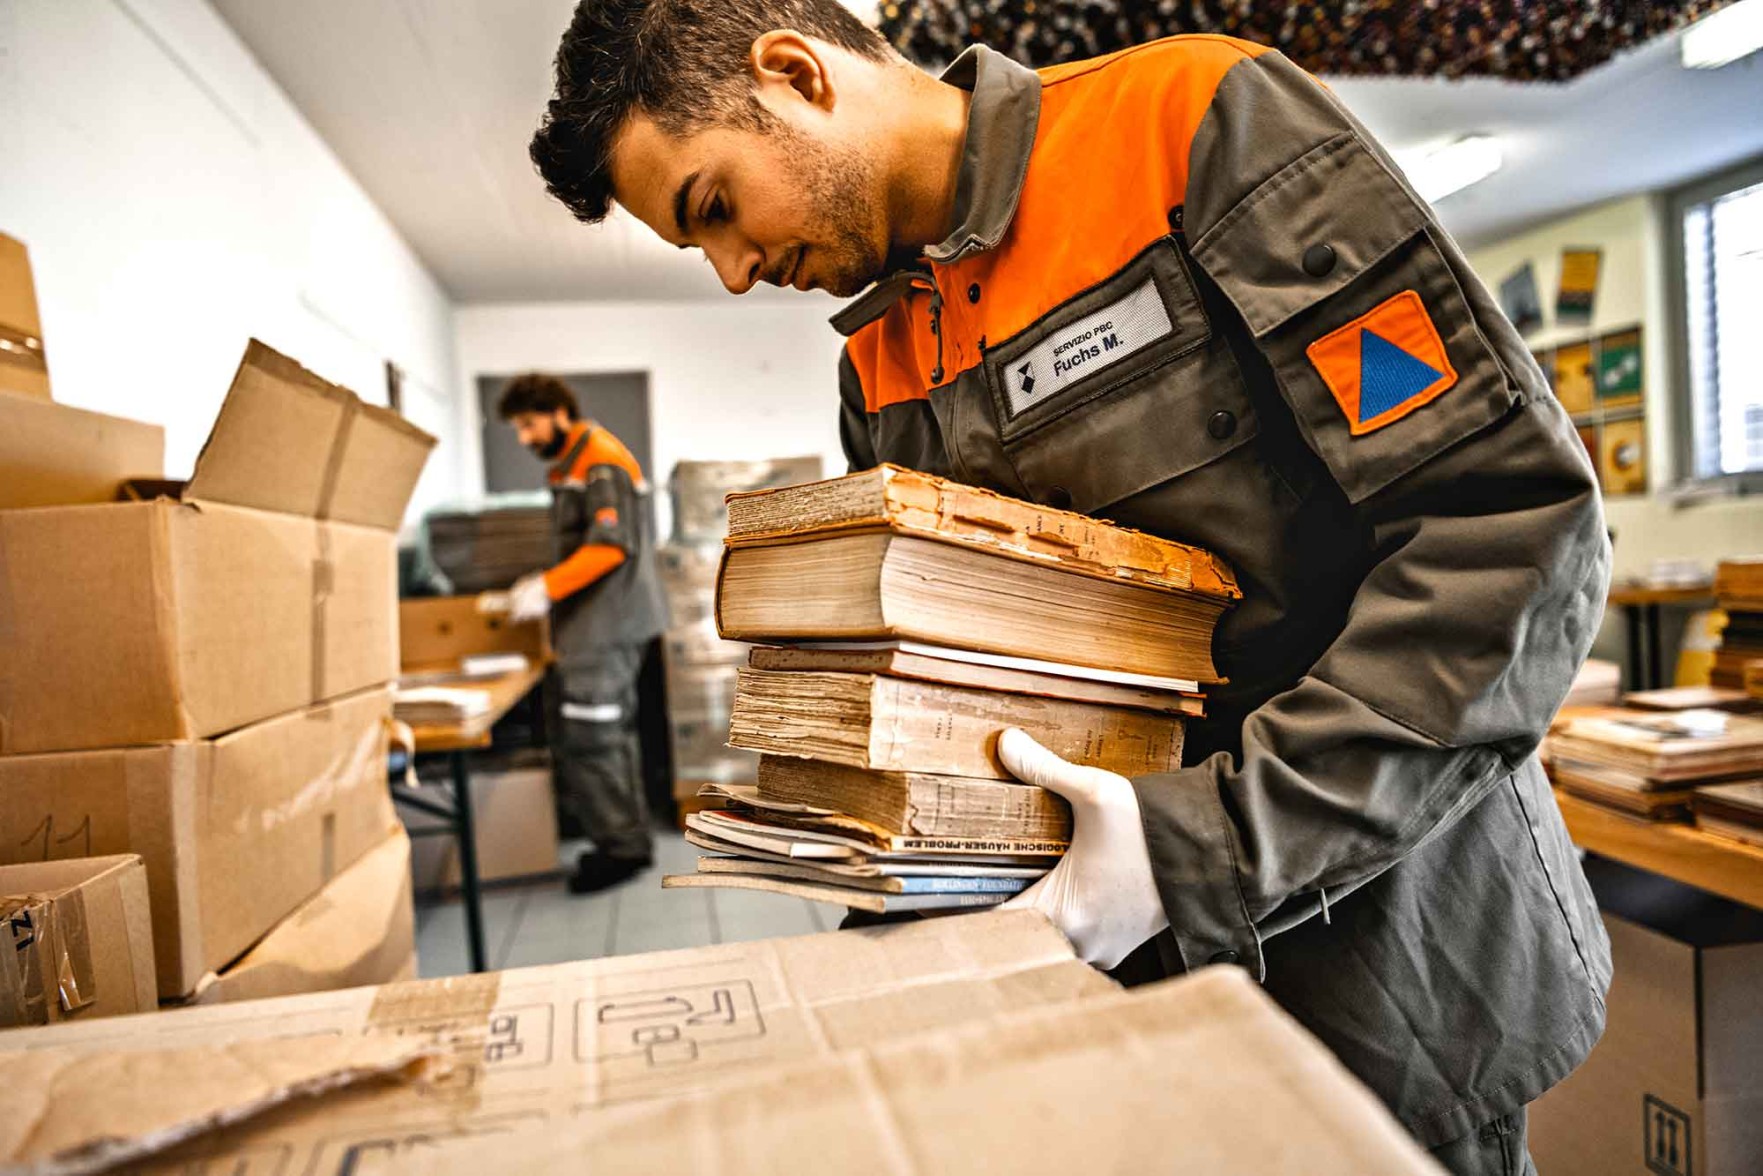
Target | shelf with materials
(1720,865)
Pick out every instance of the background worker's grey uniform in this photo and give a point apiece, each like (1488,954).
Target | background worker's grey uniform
(600,634)
(1362,824)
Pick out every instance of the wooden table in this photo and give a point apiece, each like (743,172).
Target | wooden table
(456,741)
(1719,865)
(1642,609)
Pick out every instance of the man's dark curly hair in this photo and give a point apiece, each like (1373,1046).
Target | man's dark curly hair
(682,62)
(537,392)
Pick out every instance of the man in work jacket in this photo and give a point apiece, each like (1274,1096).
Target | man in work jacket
(1181,288)
(605,607)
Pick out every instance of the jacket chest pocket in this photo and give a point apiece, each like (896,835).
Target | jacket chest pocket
(1118,389)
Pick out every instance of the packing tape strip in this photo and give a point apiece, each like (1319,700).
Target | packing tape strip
(457,1013)
(50,960)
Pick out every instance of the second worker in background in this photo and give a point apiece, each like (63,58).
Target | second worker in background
(605,607)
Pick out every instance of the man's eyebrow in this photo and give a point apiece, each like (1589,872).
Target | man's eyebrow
(679,202)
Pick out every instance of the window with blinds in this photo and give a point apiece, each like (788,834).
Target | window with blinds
(1722,322)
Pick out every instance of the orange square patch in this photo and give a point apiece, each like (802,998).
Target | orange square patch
(1384,364)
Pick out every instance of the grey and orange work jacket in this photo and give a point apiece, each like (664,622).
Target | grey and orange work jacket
(1186,291)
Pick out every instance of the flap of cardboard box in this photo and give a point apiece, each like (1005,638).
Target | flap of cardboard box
(23,367)
(287,440)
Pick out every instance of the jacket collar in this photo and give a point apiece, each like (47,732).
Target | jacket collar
(1001,123)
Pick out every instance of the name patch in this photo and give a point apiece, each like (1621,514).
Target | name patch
(1090,345)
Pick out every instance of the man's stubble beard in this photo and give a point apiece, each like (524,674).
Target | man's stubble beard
(839,186)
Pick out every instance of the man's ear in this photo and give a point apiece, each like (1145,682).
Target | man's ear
(787,66)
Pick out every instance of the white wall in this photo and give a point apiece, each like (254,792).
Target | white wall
(727,380)
(175,203)
(1632,289)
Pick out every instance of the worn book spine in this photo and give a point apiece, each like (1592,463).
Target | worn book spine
(893,498)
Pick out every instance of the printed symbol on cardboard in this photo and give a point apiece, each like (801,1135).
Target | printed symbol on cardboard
(1667,1138)
(667,1027)
(1384,364)
(266,1160)
(512,1039)
(361,1155)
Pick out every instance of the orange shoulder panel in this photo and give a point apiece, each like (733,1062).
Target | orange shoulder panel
(605,449)
(1110,161)
(892,360)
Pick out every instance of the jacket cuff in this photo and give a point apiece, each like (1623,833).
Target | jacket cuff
(1193,859)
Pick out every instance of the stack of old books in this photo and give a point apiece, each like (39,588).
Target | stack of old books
(903,622)
(1738,585)
(1653,763)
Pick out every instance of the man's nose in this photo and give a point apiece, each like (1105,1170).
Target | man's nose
(739,267)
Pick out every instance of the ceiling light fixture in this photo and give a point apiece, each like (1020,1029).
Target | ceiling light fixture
(1722,37)
(1436,172)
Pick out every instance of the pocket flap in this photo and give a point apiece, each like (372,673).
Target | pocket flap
(1256,251)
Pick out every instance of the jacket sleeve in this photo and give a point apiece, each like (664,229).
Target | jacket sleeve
(606,504)
(853,417)
(1489,560)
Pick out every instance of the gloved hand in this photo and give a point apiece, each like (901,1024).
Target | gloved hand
(529,600)
(1102,893)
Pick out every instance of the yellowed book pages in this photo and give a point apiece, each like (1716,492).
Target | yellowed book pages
(916,802)
(892,498)
(901,725)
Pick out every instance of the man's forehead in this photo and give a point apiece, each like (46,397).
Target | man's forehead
(648,167)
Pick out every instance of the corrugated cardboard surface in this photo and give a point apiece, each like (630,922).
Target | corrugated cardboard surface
(358,930)
(159,621)
(443,630)
(23,359)
(52,455)
(288,441)
(535,1045)
(93,917)
(1203,1074)
(515,816)
(1675,1087)
(236,832)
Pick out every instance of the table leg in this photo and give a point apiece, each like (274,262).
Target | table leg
(1634,673)
(1655,647)
(468,875)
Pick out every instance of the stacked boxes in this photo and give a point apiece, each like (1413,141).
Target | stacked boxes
(201,678)
(481,549)
(701,667)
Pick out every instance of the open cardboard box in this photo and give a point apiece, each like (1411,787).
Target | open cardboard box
(236,832)
(437,633)
(967,1044)
(268,585)
(80,942)
(24,368)
(360,929)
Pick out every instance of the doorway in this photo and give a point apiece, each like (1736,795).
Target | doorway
(619,401)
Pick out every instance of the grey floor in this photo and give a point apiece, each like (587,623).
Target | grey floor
(542,923)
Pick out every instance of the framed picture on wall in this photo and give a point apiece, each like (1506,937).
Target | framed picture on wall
(1575,386)
(1619,369)
(1622,456)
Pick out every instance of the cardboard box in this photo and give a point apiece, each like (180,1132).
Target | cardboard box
(1675,1088)
(24,365)
(1200,1074)
(52,455)
(236,832)
(268,586)
(515,815)
(439,632)
(535,1045)
(1008,1074)
(360,929)
(81,940)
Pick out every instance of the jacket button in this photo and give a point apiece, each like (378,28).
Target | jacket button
(973,292)
(1319,260)
(1059,498)
(1224,957)
(1222,424)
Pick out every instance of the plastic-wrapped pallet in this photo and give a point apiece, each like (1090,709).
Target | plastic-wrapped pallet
(698,488)
(700,665)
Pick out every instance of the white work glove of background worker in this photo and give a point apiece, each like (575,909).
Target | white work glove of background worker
(529,600)
(1102,893)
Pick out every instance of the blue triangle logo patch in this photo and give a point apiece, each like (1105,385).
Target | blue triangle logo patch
(1389,376)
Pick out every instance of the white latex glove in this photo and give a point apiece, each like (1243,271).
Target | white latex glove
(1102,893)
(528,600)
